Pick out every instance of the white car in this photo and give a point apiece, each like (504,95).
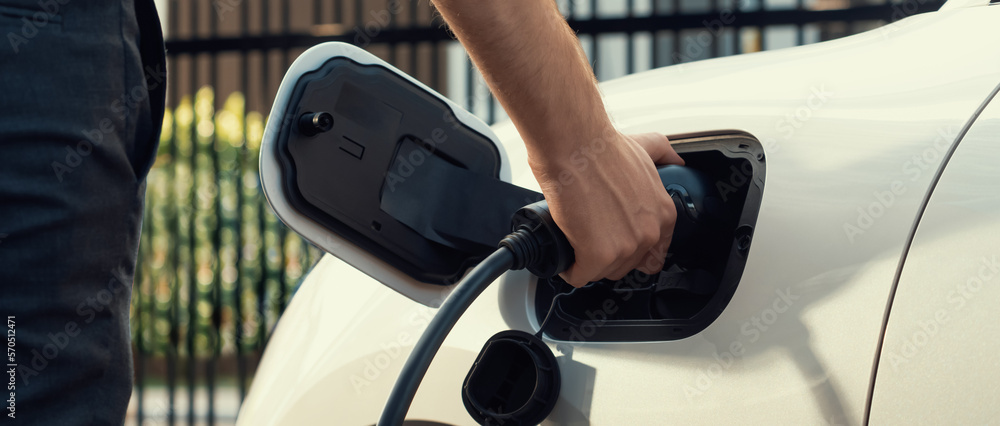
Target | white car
(857,281)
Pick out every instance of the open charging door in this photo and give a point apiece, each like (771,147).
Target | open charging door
(384,173)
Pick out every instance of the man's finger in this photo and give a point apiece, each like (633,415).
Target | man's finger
(577,275)
(620,269)
(659,149)
(655,258)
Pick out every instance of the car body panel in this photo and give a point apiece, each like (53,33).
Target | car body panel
(840,123)
(939,344)
(954,4)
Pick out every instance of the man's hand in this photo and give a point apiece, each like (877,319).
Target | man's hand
(612,207)
(602,187)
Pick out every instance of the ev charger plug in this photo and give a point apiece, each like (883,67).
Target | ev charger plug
(536,244)
(515,379)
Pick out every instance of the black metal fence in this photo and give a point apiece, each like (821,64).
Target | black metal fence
(216,268)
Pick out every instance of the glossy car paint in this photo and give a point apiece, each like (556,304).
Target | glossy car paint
(939,359)
(846,125)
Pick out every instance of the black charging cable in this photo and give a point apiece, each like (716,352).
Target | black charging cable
(536,244)
(552,309)
(467,290)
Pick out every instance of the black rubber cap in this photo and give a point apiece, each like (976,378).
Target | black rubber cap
(514,381)
(314,123)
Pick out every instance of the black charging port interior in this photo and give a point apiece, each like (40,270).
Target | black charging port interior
(699,276)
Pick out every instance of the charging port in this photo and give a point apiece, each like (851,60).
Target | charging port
(698,279)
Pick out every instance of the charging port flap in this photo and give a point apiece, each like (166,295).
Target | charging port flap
(383,172)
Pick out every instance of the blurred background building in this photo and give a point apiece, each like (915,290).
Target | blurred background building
(216,267)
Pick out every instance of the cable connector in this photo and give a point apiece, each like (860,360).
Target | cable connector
(537,244)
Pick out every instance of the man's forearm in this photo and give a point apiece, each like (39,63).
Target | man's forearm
(536,69)
(616,214)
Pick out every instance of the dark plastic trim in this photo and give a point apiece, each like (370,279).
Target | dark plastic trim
(374,134)
(515,380)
